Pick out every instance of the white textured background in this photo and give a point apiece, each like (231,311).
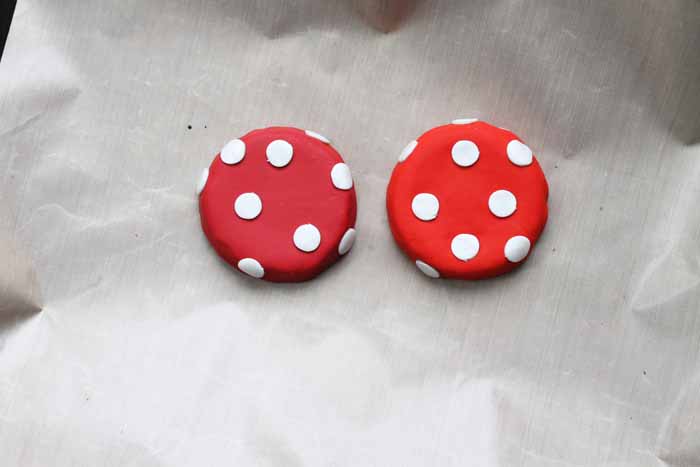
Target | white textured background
(125,341)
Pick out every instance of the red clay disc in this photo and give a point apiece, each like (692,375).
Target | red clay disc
(278,204)
(467,200)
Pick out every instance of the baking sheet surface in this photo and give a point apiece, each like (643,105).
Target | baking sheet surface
(124,340)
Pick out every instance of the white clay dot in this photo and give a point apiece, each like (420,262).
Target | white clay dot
(464,121)
(233,152)
(465,153)
(427,269)
(519,154)
(407,150)
(502,203)
(307,238)
(517,248)
(251,267)
(347,241)
(341,176)
(317,136)
(465,246)
(248,206)
(202,182)
(425,206)
(279,153)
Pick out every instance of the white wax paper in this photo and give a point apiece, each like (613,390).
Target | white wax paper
(125,341)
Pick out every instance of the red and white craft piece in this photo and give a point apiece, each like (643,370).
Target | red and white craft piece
(278,204)
(467,200)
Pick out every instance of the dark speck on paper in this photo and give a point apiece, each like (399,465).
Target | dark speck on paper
(189,127)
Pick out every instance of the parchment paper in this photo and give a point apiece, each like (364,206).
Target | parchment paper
(125,341)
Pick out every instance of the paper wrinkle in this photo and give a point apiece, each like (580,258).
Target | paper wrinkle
(51,85)
(675,272)
(678,443)
(152,351)
(20,294)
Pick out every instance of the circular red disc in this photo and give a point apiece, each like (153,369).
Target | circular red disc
(278,204)
(467,200)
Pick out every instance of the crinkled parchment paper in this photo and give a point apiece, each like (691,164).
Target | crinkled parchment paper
(125,341)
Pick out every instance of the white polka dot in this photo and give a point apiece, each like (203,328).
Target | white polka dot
(517,248)
(465,153)
(233,152)
(502,203)
(425,206)
(317,136)
(407,150)
(251,267)
(341,177)
(464,121)
(519,154)
(279,153)
(307,238)
(427,269)
(347,241)
(248,206)
(202,182)
(465,246)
